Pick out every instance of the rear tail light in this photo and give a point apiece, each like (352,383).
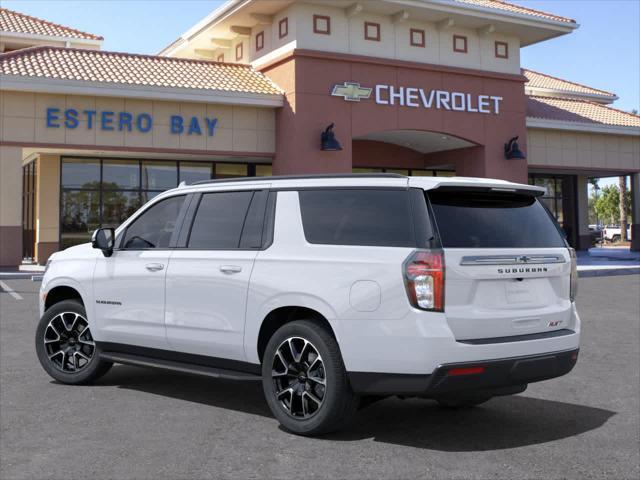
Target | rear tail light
(573,282)
(424,279)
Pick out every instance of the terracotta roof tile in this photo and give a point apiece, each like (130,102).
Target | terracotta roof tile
(16,22)
(131,69)
(582,111)
(511,8)
(542,80)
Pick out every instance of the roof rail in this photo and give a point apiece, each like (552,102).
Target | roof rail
(300,177)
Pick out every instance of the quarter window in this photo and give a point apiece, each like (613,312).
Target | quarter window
(377,217)
(155,227)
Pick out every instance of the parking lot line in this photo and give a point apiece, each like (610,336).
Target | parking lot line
(10,291)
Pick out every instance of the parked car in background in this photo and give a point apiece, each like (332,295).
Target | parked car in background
(612,233)
(596,234)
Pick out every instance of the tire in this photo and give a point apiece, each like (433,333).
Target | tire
(315,396)
(463,401)
(615,238)
(65,347)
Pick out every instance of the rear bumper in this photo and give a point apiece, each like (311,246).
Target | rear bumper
(495,376)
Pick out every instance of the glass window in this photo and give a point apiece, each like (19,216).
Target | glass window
(159,175)
(357,217)
(80,216)
(154,228)
(264,171)
(80,173)
(195,172)
(219,220)
(230,170)
(121,174)
(493,220)
(117,206)
(252,229)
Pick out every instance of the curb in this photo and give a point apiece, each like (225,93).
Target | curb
(608,272)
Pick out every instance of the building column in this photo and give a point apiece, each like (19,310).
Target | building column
(635,212)
(582,205)
(47,207)
(10,206)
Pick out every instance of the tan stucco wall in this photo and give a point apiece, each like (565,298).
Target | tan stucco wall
(347,36)
(239,129)
(10,186)
(583,150)
(48,198)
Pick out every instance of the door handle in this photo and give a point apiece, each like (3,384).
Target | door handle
(230,269)
(154,267)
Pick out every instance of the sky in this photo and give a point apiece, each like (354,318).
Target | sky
(604,52)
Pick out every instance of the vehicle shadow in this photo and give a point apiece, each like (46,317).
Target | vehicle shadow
(504,422)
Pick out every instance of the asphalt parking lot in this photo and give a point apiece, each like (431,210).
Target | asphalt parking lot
(138,423)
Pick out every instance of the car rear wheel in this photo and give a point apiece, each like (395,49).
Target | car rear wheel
(304,380)
(65,346)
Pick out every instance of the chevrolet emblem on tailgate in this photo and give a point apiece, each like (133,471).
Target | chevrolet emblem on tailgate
(351,91)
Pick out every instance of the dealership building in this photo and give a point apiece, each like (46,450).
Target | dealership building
(419,87)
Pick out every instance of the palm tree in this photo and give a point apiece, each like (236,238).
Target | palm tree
(623,208)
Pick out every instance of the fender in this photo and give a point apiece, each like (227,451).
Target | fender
(257,313)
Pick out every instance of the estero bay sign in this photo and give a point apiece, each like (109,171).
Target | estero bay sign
(418,97)
(125,121)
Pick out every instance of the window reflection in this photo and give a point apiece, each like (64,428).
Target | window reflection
(159,175)
(106,192)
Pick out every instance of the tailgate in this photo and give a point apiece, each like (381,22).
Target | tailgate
(508,267)
(506,292)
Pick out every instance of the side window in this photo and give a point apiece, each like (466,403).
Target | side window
(368,217)
(154,228)
(219,221)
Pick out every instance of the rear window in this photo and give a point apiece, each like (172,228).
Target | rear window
(367,217)
(493,220)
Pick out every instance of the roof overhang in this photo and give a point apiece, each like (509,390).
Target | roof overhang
(555,93)
(31,39)
(547,124)
(530,29)
(104,89)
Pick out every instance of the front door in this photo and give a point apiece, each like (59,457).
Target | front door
(208,279)
(129,286)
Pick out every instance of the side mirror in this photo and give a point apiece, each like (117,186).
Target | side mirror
(104,238)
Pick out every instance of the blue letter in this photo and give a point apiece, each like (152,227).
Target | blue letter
(107,120)
(125,121)
(176,124)
(90,115)
(147,120)
(51,117)
(194,126)
(211,125)
(71,118)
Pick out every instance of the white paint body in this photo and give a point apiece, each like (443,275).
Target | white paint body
(191,305)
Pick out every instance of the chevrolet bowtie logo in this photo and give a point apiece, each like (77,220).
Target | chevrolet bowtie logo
(351,91)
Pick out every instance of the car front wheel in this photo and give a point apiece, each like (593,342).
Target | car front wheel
(65,346)
(304,380)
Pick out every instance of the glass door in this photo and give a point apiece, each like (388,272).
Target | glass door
(29,173)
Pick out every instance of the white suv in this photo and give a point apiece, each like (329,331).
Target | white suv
(328,289)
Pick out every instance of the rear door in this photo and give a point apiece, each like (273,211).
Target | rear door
(507,264)
(208,275)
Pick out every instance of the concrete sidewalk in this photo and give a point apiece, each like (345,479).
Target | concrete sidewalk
(608,261)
